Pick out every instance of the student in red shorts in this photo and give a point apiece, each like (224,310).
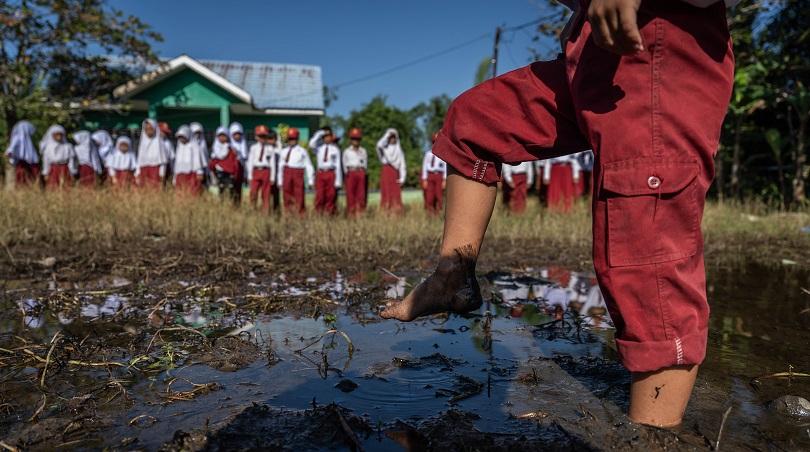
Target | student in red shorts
(294,172)
(122,164)
(59,163)
(261,166)
(434,176)
(646,85)
(89,159)
(355,165)
(189,164)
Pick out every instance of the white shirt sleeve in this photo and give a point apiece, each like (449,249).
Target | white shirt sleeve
(281,164)
(338,169)
(506,172)
(309,170)
(530,173)
(381,144)
(403,170)
(576,169)
(425,166)
(73,160)
(46,161)
(249,163)
(316,139)
(546,171)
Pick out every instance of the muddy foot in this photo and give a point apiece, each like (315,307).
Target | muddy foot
(451,288)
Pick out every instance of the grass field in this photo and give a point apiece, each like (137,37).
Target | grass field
(34,225)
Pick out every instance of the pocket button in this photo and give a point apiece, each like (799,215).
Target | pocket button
(653,182)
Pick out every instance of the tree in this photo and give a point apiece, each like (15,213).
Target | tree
(430,115)
(374,118)
(54,53)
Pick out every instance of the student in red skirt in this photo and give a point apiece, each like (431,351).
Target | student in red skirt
(226,166)
(153,155)
(189,165)
(355,165)
(90,166)
(261,166)
(58,159)
(393,171)
(329,176)
(434,176)
(122,164)
(561,176)
(518,178)
(646,85)
(22,154)
(295,169)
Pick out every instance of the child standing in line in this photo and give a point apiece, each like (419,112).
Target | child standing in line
(22,154)
(153,156)
(58,158)
(355,164)
(122,164)
(294,167)
(434,175)
(87,154)
(329,177)
(226,166)
(189,165)
(666,68)
(106,146)
(393,172)
(261,164)
(561,176)
(518,178)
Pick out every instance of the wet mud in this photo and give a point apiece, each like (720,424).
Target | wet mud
(238,354)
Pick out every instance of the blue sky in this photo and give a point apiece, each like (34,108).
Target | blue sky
(350,39)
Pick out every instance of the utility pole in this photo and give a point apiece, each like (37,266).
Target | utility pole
(494,61)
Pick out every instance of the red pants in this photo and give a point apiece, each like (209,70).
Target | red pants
(25,174)
(325,192)
(355,183)
(260,183)
(653,120)
(58,177)
(517,193)
(434,193)
(562,190)
(150,177)
(188,184)
(124,179)
(293,188)
(87,176)
(390,191)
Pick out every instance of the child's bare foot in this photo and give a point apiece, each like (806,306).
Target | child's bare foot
(451,288)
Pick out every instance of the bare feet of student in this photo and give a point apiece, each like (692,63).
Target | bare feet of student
(451,288)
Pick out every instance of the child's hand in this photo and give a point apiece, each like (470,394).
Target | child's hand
(613,24)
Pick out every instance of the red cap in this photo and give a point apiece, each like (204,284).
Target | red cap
(435,136)
(355,133)
(292,133)
(164,127)
(261,131)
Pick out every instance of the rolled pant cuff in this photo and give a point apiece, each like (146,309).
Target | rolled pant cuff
(656,355)
(465,161)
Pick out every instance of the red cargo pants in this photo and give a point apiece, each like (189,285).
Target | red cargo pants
(433,193)
(260,184)
(294,194)
(653,120)
(325,192)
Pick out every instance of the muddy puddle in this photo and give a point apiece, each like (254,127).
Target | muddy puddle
(305,363)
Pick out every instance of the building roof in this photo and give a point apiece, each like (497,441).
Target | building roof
(274,85)
(265,86)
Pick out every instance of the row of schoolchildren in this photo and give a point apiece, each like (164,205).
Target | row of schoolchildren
(559,181)
(269,168)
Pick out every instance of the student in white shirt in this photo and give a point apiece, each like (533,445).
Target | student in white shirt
(434,176)
(329,176)
(517,179)
(88,158)
(58,158)
(393,172)
(189,164)
(153,156)
(122,164)
(22,154)
(560,176)
(295,168)
(261,166)
(355,165)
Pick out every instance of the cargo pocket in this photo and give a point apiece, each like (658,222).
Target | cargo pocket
(653,211)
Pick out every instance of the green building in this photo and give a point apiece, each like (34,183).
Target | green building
(215,93)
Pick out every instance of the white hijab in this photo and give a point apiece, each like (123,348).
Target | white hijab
(393,152)
(47,143)
(220,150)
(122,161)
(187,155)
(21,146)
(87,151)
(104,142)
(151,151)
(240,146)
(196,127)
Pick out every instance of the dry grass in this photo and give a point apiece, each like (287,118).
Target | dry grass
(98,221)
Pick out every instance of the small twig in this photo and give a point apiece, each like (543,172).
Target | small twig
(39,410)
(348,429)
(722,425)
(345,336)
(390,273)
(8,447)
(48,359)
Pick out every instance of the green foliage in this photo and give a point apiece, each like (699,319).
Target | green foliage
(484,70)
